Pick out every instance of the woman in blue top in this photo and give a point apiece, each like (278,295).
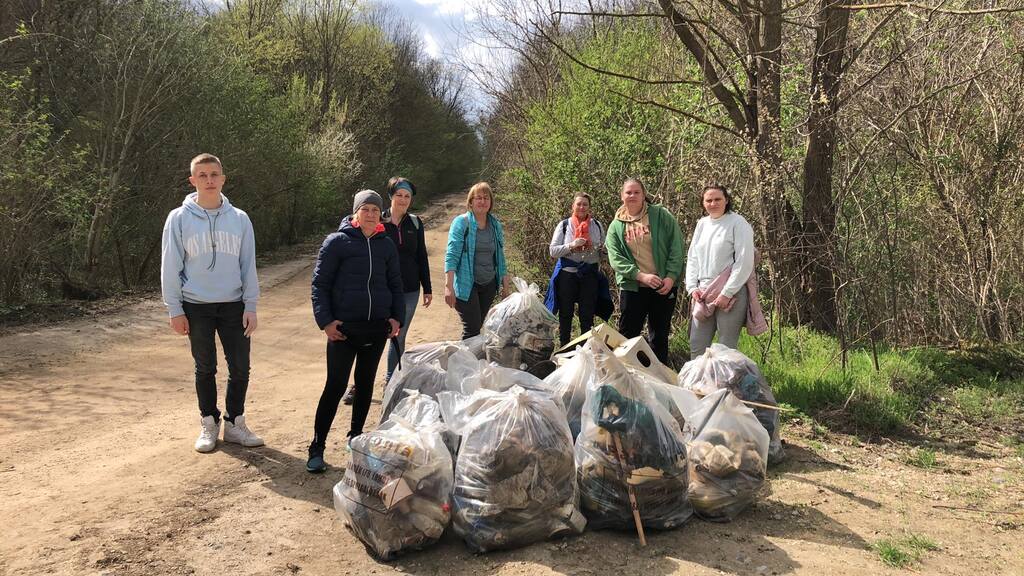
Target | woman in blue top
(474,262)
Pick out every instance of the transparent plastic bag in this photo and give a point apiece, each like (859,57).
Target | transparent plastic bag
(421,411)
(569,382)
(728,457)
(520,331)
(395,494)
(423,368)
(515,481)
(628,440)
(721,367)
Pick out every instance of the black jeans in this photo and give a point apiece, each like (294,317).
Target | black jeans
(574,288)
(224,319)
(473,311)
(365,353)
(646,305)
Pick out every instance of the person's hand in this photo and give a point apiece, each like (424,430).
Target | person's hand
(449,296)
(395,328)
(180,324)
(427,299)
(666,286)
(578,244)
(649,280)
(724,303)
(332,332)
(504,288)
(249,323)
(698,295)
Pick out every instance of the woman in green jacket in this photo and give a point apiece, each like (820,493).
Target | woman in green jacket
(645,248)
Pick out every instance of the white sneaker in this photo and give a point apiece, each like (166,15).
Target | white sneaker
(207,440)
(239,433)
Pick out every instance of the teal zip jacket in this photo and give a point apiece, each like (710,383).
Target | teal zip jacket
(458,257)
(667,242)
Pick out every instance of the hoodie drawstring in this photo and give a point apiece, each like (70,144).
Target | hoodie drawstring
(213,239)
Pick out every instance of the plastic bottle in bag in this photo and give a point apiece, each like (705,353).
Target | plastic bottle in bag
(395,494)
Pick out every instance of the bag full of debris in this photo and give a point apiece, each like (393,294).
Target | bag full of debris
(721,367)
(515,482)
(629,443)
(569,382)
(728,457)
(423,369)
(421,410)
(520,331)
(395,495)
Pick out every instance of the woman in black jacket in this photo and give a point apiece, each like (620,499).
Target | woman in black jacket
(357,302)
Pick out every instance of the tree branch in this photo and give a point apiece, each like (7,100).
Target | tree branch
(675,110)
(933,9)
(605,72)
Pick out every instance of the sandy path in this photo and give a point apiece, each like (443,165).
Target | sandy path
(98,474)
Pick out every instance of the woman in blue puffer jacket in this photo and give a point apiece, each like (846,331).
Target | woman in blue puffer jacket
(357,300)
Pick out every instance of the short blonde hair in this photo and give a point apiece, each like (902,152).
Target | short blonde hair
(204,158)
(478,188)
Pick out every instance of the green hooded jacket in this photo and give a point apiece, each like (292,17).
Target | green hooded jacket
(667,243)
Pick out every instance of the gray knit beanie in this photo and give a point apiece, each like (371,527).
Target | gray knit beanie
(367,197)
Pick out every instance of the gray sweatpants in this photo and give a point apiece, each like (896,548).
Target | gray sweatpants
(728,325)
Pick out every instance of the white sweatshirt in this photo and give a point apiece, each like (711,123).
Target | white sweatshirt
(717,244)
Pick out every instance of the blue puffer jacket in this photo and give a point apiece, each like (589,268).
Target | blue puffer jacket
(357,278)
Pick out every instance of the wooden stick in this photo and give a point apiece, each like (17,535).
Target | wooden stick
(755,404)
(629,489)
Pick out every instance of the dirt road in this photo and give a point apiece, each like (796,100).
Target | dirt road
(98,474)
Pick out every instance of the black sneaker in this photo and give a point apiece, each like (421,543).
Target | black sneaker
(316,464)
(349,397)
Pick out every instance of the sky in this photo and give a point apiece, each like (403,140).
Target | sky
(438,22)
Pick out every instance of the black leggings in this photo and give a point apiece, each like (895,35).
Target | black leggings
(365,354)
(573,288)
(647,306)
(473,311)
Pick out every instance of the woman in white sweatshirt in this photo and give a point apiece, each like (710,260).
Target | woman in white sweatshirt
(723,243)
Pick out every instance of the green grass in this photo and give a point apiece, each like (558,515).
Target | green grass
(892,554)
(923,458)
(948,389)
(902,552)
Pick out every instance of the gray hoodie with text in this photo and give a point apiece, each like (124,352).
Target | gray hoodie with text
(209,256)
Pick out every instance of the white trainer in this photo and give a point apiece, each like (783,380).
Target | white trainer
(207,440)
(239,433)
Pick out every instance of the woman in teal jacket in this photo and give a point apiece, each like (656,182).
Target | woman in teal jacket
(645,248)
(474,262)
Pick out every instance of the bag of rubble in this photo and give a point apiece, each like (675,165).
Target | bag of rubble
(569,382)
(721,367)
(515,482)
(728,457)
(520,331)
(629,443)
(422,369)
(395,494)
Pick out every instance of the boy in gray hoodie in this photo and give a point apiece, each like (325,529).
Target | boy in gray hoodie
(208,279)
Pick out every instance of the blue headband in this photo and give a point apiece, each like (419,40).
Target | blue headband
(406,185)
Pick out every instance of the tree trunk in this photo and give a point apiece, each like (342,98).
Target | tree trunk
(818,242)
